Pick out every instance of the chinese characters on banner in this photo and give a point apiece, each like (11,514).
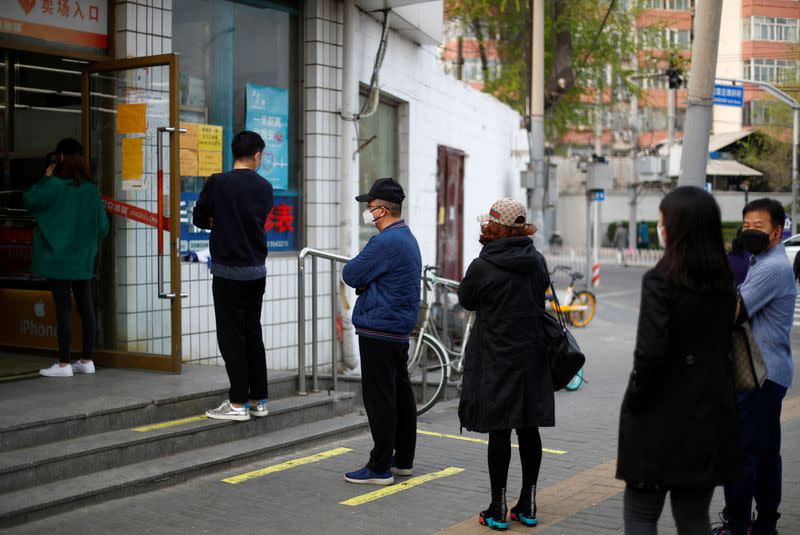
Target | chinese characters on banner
(280,229)
(72,22)
(267,113)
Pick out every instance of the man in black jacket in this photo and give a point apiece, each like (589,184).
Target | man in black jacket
(235,206)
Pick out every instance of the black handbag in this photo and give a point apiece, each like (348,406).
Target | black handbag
(561,348)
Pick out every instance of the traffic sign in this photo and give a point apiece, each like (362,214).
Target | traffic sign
(600,195)
(729,95)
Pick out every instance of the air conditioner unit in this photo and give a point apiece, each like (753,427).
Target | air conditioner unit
(651,168)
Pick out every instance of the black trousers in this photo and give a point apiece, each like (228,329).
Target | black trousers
(389,402)
(499,457)
(642,509)
(760,432)
(237,307)
(63,290)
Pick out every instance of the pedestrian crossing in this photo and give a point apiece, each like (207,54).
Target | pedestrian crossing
(797,311)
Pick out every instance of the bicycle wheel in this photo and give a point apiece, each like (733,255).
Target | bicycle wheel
(576,382)
(429,373)
(581,318)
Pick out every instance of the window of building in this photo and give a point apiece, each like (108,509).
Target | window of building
(771,29)
(678,38)
(378,157)
(771,70)
(674,5)
(766,113)
(225,73)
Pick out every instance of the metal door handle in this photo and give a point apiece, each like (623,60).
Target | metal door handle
(160,131)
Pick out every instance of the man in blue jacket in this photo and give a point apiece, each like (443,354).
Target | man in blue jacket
(386,276)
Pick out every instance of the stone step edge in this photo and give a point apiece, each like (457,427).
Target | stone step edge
(52,498)
(115,439)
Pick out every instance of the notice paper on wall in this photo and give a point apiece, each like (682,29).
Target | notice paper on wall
(132,160)
(189,162)
(189,138)
(132,118)
(209,137)
(267,113)
(209,162)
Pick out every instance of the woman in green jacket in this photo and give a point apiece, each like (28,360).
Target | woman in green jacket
(70,222)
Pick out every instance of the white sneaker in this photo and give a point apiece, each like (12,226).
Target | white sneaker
(226,411)
(80,367)
(56,371)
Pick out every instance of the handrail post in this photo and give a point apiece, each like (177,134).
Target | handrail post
(334,334)
(301,326)
(314,351)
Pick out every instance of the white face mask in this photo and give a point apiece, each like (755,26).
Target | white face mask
(367,216)
(661,241)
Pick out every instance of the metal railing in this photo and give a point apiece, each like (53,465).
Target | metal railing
(301,317)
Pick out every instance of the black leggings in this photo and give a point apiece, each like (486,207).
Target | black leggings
(63,290)
(642,509)
(530,455)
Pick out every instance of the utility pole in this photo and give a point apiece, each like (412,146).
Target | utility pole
(348,168)
(694,157)
(674,79)
(536,166)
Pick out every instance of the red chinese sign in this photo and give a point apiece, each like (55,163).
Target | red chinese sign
(72,22)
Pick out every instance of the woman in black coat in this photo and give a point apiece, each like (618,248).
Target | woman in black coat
(507,383)
(678,426)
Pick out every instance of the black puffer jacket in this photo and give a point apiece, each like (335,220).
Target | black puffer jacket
(507,382)
(678,424)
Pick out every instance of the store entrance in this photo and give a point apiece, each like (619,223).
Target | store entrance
(121,111)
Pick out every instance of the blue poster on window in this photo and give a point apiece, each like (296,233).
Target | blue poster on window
(281,225)
(267,114)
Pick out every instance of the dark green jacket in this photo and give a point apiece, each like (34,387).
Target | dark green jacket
(70,222)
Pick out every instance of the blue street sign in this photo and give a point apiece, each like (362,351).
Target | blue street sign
(729,95)
(600,195)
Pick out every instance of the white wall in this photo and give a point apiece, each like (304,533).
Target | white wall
(443,111)
(729,63)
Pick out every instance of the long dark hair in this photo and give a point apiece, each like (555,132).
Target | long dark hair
(695,253)
(71,162)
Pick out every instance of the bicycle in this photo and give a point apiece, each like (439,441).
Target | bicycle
(435,340)
(578,307)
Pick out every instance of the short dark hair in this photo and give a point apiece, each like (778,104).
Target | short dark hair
(395,208)
(695,253)
(246,144)
(776,211)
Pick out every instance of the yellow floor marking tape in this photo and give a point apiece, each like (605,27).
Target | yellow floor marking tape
(285,466)
(478,440)
(405,485)
(170,423)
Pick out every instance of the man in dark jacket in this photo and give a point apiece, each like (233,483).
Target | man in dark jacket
(235,206)
(386,275)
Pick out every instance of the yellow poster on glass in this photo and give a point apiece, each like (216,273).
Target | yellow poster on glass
(132,157)
(209,162)
(132,118)
(209,137)
(189,162)
(189,138)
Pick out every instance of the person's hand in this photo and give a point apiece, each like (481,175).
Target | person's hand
(51,169)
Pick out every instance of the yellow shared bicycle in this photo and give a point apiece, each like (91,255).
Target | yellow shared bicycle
(577,306)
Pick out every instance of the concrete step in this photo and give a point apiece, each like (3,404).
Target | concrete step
(36,502)
(97,404)
(38,465)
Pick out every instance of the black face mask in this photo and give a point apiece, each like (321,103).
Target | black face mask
(755,241)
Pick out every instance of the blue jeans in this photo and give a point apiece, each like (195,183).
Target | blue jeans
(760,428)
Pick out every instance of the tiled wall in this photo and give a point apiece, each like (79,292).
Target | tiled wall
(144,28)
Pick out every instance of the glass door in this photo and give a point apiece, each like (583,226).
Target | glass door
(131,134)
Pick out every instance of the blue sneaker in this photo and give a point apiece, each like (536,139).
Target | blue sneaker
(365,476)
(522,518)
(259,409)
(490,521)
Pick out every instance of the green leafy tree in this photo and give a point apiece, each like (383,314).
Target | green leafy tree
(600,40)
